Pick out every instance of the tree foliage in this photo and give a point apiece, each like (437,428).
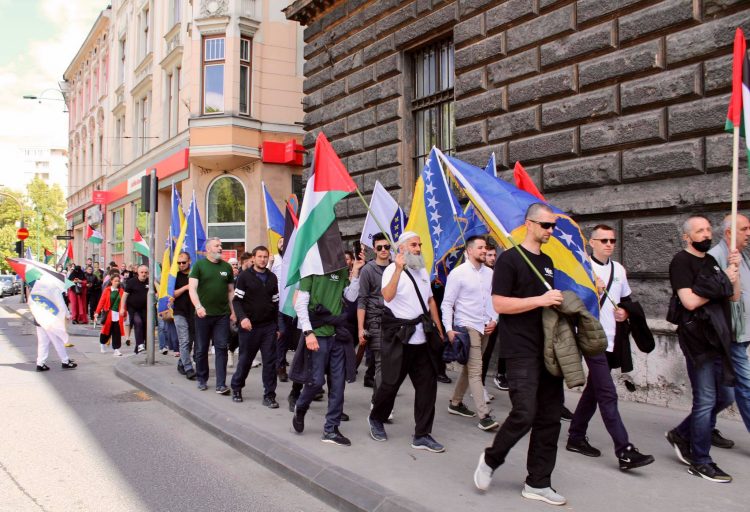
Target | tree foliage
(44,217)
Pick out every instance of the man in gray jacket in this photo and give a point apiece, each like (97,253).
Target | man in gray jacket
(370,301)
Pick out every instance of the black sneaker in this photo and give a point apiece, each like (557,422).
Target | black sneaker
(222,390)
(488,423)
(501,382)
(377,430)
(180,368)
(427,443)
(190,374)
(368,382)
(335,437)
(461,410)
(710,472)
(681,446)
(344,416)
(237,395)
(631,458)
(270,402)
(42,368)
(566,414)
(292,401)
(319,397)
(202,386)
(444,379)
(719,440)
(69,365)
(583,447)
(298,421)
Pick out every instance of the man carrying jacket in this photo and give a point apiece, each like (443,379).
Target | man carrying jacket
(704,333)
(256,304)
(612,283)
(536,396)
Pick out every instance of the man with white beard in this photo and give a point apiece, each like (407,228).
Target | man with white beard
(406,348)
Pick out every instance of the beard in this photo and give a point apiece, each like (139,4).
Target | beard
(414,261)
(215,255)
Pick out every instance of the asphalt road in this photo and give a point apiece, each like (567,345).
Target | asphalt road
(84,440)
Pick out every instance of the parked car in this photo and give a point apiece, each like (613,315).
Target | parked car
(7,286)
(18,284)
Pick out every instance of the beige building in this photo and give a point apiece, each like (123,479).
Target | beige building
(206,92)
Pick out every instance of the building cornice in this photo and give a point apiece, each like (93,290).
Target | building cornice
(304,11)
(101,23)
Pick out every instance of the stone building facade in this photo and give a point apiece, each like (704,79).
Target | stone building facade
(615,107)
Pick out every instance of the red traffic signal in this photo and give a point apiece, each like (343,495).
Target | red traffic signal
(22,233)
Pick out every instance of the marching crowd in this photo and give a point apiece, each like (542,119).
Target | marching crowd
(387,312)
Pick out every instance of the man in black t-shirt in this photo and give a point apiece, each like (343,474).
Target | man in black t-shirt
(183,316)
(691,439)
(134,302)
(536,396)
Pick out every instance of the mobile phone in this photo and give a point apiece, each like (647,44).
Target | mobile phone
(357,249)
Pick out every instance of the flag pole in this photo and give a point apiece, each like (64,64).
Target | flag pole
(735,183)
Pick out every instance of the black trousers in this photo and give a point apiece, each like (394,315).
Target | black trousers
(487,356)
(536,404)
(93,297)
(417,365)
(114,332)
(261,338)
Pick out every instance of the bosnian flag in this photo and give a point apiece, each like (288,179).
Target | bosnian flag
(93,236)
(318,246)
(738,115)
(384,213)
(140,246)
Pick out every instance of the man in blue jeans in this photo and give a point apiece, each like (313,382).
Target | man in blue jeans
(612,284)
(211,292)
(256,304)
(319,308)
(704,332)
(741,324)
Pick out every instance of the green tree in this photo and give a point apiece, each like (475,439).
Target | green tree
(10,213)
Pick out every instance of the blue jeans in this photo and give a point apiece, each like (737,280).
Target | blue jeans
(600,389)
(168,335)
(330,358)
(741,390)
(708,399)
(207,329)
(261,338)
(185,337)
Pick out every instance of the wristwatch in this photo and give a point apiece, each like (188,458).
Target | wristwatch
(307,333)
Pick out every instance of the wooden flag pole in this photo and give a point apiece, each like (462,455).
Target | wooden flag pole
(735,183)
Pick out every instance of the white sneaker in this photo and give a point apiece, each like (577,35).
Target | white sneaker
(256,363)
(488,397)
(164,351)
(545,494)
(483,474)
(103,349)
(141,348)
(117,353)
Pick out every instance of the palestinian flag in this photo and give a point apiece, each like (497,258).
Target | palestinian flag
(48,255)
(318,246)
(140,246)
(525,183)
(738,115)
(93,236)
(67,256)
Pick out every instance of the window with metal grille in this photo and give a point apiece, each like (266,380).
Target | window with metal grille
(432,100)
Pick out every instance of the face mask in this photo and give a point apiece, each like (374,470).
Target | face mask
(702,246)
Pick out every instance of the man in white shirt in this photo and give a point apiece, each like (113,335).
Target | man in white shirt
(406,349)
(467,309)
(612,283)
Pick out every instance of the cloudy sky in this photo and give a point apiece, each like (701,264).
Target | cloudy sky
(40,38)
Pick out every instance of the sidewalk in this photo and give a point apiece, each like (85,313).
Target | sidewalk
(393,476)
(15,305)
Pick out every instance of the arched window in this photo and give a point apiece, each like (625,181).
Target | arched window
(226,212)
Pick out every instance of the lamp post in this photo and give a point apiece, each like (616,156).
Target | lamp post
(40,97)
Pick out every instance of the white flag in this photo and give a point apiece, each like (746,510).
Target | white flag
(47,304)
(388,213)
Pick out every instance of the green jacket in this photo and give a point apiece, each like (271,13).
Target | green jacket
(569,331)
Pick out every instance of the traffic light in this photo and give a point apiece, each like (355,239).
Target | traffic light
(19,248)
(146,194)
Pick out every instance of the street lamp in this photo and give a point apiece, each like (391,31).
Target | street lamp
(40,97)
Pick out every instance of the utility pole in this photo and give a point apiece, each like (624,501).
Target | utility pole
(150,301)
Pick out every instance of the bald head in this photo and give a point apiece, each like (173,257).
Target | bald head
(743,230)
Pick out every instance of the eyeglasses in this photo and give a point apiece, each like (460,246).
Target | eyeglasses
(182,262)
(385,247)
(612,241)
(544,225)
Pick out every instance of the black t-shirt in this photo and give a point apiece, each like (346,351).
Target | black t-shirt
(137,291)
(685,267)
(521,335)
(182,306)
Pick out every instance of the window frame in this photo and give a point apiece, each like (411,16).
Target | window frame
(247,64)
(213,62)
(118,244)
(210,225)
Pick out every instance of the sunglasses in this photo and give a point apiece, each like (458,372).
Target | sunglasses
(385,247)
(612,241)
(545,225)
(182,262)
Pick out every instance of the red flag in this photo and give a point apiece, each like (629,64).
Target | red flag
(18,268)
(330,173)
(524,181)
(734,114)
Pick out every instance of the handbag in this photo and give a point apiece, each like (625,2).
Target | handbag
(429,326)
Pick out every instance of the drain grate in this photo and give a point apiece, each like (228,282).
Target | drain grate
(131,396)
